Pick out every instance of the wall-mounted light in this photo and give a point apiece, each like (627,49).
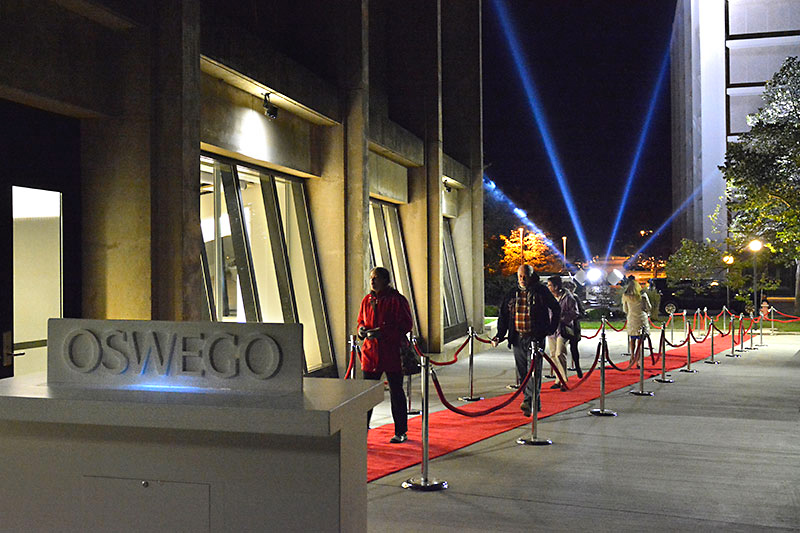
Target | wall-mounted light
(269,108)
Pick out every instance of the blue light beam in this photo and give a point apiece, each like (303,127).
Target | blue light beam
(497,194)
(541,122)
(669,220)
(639,149)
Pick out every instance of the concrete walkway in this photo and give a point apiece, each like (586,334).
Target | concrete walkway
(716,450)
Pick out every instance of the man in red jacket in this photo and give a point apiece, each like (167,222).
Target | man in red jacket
(383,321)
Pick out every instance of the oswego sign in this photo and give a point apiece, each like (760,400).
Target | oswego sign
(213,355)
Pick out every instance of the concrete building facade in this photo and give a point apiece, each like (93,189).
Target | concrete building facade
(241,162)
(723,52)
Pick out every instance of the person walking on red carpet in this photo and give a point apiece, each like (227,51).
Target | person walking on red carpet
(528,314)
(383,321)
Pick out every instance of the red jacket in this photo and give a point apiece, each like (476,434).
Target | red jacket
(389,311)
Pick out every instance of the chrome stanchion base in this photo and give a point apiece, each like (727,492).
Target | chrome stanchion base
(602,412)
(413,412)
(530,441)
(425,485)
(513,386)
(689,371)
(470,398)
(709,362)
(749,348)
(665,380)
(760,345)
(642,392)
(732,355)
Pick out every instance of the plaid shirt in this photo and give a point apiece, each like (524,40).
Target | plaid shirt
(522,312)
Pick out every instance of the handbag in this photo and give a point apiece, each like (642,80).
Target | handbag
(409,360)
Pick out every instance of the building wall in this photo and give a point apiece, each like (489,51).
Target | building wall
(152,83)
(723,52)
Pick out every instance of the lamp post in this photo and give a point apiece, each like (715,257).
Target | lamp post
(564,241)
(755,245)
(728,260)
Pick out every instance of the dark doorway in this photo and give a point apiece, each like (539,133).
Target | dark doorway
(39,150)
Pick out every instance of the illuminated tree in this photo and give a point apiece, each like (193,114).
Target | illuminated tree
(536,253)
(762,171)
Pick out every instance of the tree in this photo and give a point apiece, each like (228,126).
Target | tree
(695,261)
(762,171)
(536,253)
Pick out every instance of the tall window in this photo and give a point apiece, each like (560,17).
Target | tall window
(455,316)
(387,249)
(259,261)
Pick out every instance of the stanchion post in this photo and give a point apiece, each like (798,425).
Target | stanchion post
(761,319)
(724,317)
(689,368)
(424,483)
(741,347)
(711,333)
(471,397)
(534,439)
(640,350)
(603,356)
(771,320)
(351,344)
(751,334)
(662,346)
(732,332)
(409,410)
(671,327)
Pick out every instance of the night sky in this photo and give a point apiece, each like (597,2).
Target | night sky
(595,64)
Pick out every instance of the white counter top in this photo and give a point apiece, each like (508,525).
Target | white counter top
(319,410)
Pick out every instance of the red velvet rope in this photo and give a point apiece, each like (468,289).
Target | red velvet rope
(620,328)
(485,341)
(416,348)
(586,374)
(474,414)
(784,314)
(596,333)
(691,333)
(351,363)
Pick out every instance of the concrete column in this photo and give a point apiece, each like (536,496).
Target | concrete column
(462,115)
(419,79)
(175,207)
(354,85)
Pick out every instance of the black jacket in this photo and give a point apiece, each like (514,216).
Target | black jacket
(545,314)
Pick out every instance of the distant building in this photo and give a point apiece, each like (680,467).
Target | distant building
(723,51)
(242,161)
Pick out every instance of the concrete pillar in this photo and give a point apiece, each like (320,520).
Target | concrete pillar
(462,116)
(419,79)
(175,207)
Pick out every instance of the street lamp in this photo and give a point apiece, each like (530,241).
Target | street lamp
(728,260)
(564,240)
(755,245)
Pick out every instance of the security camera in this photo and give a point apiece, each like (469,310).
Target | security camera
(269,108)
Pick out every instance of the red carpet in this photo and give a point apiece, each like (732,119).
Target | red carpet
(449,431)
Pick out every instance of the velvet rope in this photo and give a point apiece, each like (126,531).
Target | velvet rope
(620,328)
(351,363)
(632,361)
(596,333)
(691,333)
(784,314)
(473,414)
(485,341)
(416,348)
(723,333)
(581,381)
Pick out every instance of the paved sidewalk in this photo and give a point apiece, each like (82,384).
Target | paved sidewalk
(716,450)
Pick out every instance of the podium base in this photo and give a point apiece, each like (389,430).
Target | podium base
(425,485)
(530,441)
(470,398)
(602,412)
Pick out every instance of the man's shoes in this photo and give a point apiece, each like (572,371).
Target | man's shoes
(397,439)
(526,408)
(579,372)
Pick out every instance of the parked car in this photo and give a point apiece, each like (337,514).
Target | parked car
(694,294)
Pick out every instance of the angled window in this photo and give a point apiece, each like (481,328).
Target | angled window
(259,261)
